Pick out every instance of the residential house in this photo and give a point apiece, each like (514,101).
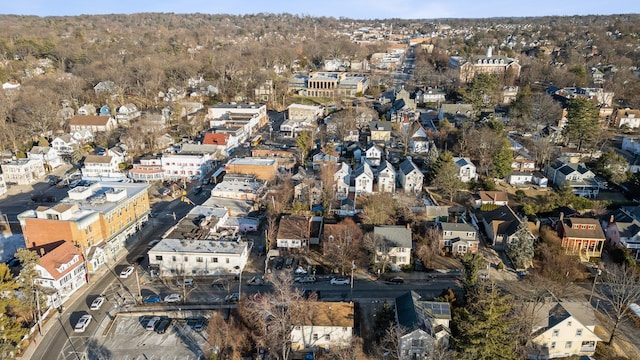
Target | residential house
(98,219)
(87,109)
(372,155)
(61,272)
(466,169)
(101,168)
(263,169)
(306,113)
(321,158)
(563,329)
(64,144)
(179,166)
(521,163)
(393,246)
(127,113)
(380,131)
(458,238)
(582,181)
(386,177)
(93,123)
(410,176)
(508,94)
(520,178)
(418,138)
(362,179)
(342,178)
(308,192)
(499,198)
(106,86)
(430,96)
(226,142)
(539,179)
(293,232)
(47,155)
(425,324)
(623,230)
(324,325)
(627,118)
(581,236)
(23,171)
(147,169)
(82,136)
(456,114)
(192,257)
(501,226)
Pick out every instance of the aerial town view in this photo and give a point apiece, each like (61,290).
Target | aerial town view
(356,180)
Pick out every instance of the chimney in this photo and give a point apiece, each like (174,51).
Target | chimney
(489,51)
(41,251)
(612,219)
(561,216)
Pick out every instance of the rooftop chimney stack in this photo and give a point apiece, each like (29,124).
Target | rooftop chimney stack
(489,51)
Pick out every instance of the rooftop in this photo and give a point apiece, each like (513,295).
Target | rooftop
(336,314)
(252,161)
(169,245)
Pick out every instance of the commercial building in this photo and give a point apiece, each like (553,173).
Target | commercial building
(263,169)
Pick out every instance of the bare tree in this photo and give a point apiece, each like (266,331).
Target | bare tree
(343,244)
(379,209)
(620,287)
(429,247)
(228,338)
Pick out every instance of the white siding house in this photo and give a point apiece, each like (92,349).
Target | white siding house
(62,271)
(325,325)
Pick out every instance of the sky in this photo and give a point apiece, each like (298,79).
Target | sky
(355,9)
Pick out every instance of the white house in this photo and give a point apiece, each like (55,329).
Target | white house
(64,144)
(326,325)
(126,113)
(322,158)
(48,155)
(393,246)
(293,232)
(300,118)
(373,154)
(386,176)
(342,178)
(98,167)
(419,140)
(250,116)
(182,257)
(23,171)
(410,176)
(147,169)
(362,178)
(563,329)
(581,180)
(3,185)
(178,166)
(62,271)
(93,123)
(466,169)
(520,178)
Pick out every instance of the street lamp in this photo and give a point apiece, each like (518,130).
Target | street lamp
(593,288)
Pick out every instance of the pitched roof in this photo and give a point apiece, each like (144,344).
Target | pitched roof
(446,226)
(407,166)
(89,120)
(412,311)
(62,254)
(462,161)
(493,196)
(335,314)
(503,220)
(595,233)
(98,159)
(550,314)
(396,235)
(380,126)
(215,139)
(293,227)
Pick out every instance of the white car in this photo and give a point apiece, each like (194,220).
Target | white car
(173,298)
(336,281)
(300,271)
(126,272)
(97,303)
(82,324)
(151,325)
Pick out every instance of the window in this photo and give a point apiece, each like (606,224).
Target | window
(199,259)
(215,260)
(579,332)
(327,337)
(159,257)
(415,342)
(568,345)
(569,323)
(173,258)
(556,332)
(553,345)
(186,259)
(227,260)
(315,337)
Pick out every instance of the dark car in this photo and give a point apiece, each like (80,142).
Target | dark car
(151,299)
(256,280)
(163,325)
(395,281)
(289,262)
(278,262)
(197,190)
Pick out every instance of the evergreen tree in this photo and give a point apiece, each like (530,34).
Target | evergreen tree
(472,263)
(484,327)
(502,160)
(444,175)
(582,121)
(521,250)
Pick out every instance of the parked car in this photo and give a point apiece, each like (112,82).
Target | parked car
(151,325)
(288,263)
(337,281)
(232,298)
(164,192)
(220,283)
(153,243)
(186,283)
(151,299)
(163,325)
(199,325)
(82,324)
(305,279)
(300,270)
(126,272)
(278,262)
(173,298)
(256,280)
(97,303)
(395,281)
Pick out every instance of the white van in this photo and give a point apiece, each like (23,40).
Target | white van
(151,325)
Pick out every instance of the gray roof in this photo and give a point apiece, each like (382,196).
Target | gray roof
(551,314)
(380,125)
(396,235)
(446,226)
(411,310)
(407,166)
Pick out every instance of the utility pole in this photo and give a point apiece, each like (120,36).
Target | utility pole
(593,288)
(138,283)
(38,310)
(353,267)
